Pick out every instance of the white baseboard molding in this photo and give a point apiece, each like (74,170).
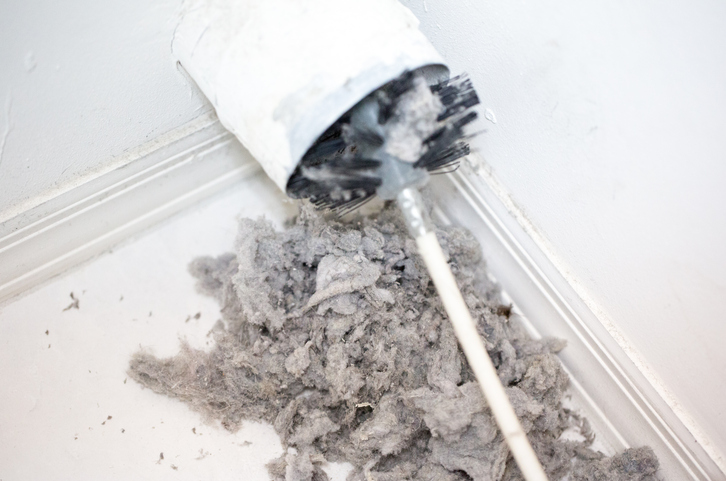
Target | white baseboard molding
(193,162)
(204,159)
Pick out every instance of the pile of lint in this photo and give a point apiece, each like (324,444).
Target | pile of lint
(334,334)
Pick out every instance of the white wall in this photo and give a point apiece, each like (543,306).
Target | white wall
(81,82)
(610,135)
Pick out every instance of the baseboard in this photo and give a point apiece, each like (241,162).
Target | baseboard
(162,178)
(202,158)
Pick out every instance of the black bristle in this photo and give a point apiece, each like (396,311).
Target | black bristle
(457,95)
(389,94)
(338,184)
(446,145)
(323,151)
(334,174)
(359,136)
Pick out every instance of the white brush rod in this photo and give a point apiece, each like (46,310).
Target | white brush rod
(476,354)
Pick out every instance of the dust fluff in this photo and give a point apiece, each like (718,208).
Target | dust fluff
(333,333)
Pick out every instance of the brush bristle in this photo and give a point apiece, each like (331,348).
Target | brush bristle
(335,173)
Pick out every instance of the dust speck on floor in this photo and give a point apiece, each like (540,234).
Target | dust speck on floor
(76,304)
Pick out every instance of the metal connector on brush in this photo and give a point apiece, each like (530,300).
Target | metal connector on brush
(414,212)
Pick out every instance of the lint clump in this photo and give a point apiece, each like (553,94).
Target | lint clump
(333,333)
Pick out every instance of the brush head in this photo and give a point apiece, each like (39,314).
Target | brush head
(391,140)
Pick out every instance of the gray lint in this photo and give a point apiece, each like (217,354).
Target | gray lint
(414,120)
(334,334)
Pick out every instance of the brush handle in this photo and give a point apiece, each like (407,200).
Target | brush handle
(472,345)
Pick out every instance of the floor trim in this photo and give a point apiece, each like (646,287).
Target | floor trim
(196,163)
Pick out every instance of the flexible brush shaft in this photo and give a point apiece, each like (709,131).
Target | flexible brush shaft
(471,343)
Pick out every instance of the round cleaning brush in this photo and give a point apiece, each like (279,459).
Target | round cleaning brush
(341,101)
(390,141)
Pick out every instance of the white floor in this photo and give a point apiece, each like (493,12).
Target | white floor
(67,409)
